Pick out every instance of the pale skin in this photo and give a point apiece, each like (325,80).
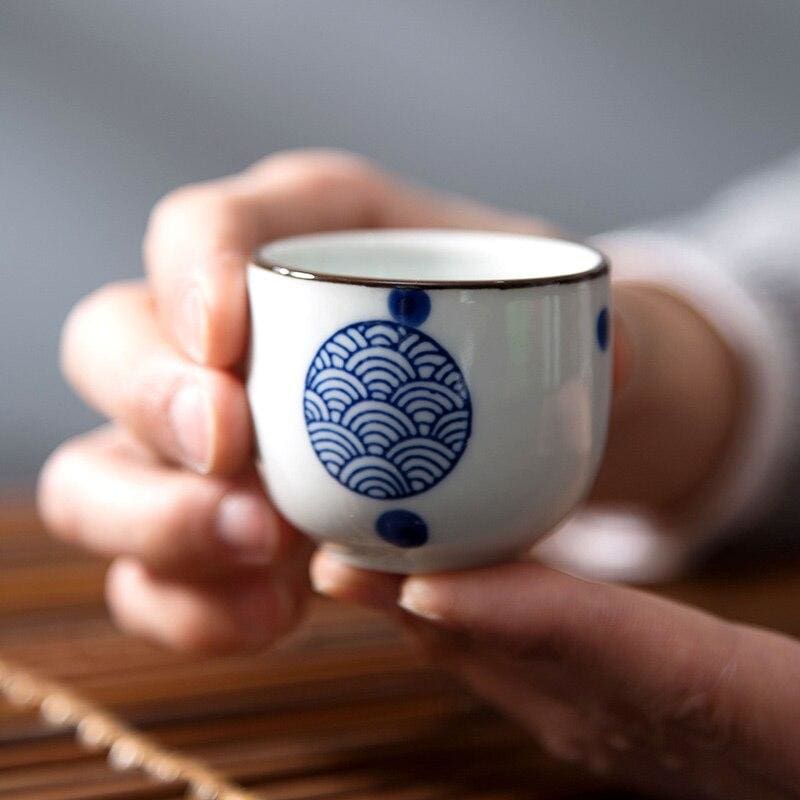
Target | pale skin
(652,693)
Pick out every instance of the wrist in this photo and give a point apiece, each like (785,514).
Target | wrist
(743,494)
(676,399)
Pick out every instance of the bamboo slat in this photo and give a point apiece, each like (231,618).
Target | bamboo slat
(343,709)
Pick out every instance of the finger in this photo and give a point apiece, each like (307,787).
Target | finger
(521,692)
(506,685)
(680,679)
(676,395)
(200,237)
(655,662)
(246,612)
(116,357)
(334,578)
(104,492)
(540,610)
(456,601)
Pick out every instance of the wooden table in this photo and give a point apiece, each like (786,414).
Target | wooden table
(343,709)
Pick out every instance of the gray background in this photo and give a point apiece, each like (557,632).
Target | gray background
(596,113)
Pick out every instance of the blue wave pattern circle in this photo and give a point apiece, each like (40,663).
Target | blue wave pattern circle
(387,409)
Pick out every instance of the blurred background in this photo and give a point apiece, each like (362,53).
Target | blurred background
(596,113)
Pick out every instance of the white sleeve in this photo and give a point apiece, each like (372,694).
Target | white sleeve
(737,261)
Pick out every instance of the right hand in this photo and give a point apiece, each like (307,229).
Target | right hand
(201,560)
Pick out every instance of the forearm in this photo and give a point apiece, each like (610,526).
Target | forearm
(737,263)
(675,404)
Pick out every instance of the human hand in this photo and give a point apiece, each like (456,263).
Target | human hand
(201,560)
(648,693)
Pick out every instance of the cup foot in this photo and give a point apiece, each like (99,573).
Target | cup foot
(418,561)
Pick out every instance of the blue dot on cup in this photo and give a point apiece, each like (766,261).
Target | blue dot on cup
(402,528)
(409,306)
(602,329)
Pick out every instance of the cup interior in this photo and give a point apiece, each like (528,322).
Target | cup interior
(430,257)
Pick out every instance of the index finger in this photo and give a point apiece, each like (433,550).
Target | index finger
(200,237)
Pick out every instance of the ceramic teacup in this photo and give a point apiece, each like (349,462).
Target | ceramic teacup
(427,400)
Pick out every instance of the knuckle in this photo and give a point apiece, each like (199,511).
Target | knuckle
(86,321)
(181,213)
(146,405)
(64,478)
(151,407)
(52,491)
(190,628)
(318,169)
(701,709)
(173,207)
(191,633)
(179,526)
(149,404)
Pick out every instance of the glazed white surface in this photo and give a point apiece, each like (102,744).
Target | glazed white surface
(539,385)
(441,255)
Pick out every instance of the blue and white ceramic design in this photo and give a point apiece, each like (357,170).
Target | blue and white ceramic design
(428,400)
(387,409)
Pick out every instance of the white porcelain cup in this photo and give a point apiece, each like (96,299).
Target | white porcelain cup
(427,400)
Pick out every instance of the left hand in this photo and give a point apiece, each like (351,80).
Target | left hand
(650,693)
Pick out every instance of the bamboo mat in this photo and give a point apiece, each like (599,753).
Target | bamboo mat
(343,709)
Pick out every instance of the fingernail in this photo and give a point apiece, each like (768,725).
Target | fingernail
(329,574)
(332,576)
(192,324)
(190,416)
(417,598)
(323,576)
(243,525)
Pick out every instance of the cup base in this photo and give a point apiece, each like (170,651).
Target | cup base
(415,562)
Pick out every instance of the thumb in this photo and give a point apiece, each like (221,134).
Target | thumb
(531,610)
(675,681)
(676,393)
(661,660)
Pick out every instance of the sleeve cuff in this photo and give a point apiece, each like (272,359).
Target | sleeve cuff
(741,491)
